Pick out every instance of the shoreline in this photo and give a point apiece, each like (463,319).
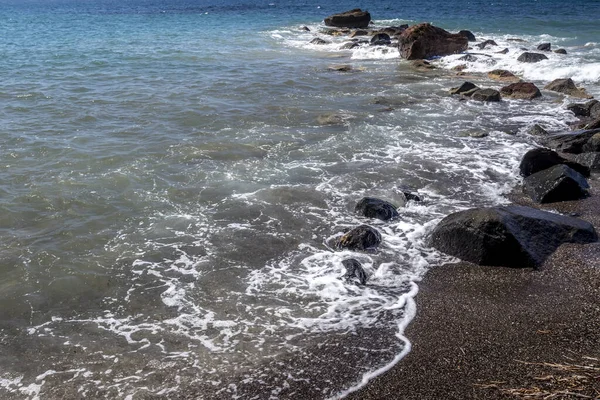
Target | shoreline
(494,332)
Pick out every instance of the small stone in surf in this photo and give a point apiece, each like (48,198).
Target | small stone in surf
(354,271)
(362,238)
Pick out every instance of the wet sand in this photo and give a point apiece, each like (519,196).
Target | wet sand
(478,330)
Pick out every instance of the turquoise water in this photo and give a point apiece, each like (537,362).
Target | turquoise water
(169,191)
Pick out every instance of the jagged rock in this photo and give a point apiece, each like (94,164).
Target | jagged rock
(558,183)
(483,44)
(571,142)
(486,95)
(468,58)
(510,236)
(590,160)
(355,18)
(560,51)
(531,57)
(503,75)
(381,39)
(354,271)
(567,86)
(362,237)
(544,47)
(468,34)
(465,88)
(521,90)
(371,207)
(425,41)
(539,159)
(319,41)
(537,130)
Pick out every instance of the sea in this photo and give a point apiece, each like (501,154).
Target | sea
(174,175)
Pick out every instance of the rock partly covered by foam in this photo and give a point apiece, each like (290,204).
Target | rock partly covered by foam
(503,75)
(354,271)
(567,86)
(531,57)
(362,237)
(371,207)
(557,183)
(426,41)
(521,90)
(511,236)
(488,95)
(355,18)
(539,159)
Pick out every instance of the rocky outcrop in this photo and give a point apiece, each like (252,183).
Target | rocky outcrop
(354,271)
(521,90)
(531,57)
(425,41)
(468,34)
(361,238)
(510,236)
(503,75)
(488,95)
(558,183)
(356,18)
(371,207)
(571,142)
(539,159)
(567,86)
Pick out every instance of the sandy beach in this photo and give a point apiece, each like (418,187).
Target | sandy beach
(501,333)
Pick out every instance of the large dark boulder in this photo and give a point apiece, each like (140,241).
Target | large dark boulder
(567,86)
(510,236)
(558,183)
(531,57)
(486,95)
(425,41)
(590,160)
(371,207)
(356,18)
(521,90)
(570,142)
(539,159)
(362,237)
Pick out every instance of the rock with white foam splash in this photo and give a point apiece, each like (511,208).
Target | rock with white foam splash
(355,18)
(424,41)
(372,207)
(568,87)
(363,238)
(528,57)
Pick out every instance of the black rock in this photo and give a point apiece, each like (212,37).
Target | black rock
(571,142)
(592,145)
(305,29)
(371,207)
(560,51)
(511,236)
(539,159)
(531,57)
(464,88)
(537,130)
(590,160)
(411,196)
(381,39)
(350,19)
(582,109)
(505,51)
(468,34)
(558,183)
(483,44)
(354,269)
(319,41)
(486,95)
(362,237)
(468,58)
(544,47)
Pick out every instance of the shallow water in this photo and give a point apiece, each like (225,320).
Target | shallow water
(169,196)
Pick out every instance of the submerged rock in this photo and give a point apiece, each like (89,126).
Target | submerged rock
(502,236)
(422,65)
(354,271)
(567,86)
(539,159)
(468,58)
(503,75)
(560,51)
(521,90)
(503,51)
(330,119)
(486,43)
(537,130)
(558,183)
(531,57)
(355,18)
(362,238)
(349,46)
(319,41)
(426,41)
(371,207)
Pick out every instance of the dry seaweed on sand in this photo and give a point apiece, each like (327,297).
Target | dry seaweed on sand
(579,380)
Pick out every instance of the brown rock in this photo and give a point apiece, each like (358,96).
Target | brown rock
(350,19)
(567,86)
(521,90)
(426,41)
(503,75)
(486,95)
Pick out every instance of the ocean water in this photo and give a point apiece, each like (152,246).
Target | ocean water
(169,192)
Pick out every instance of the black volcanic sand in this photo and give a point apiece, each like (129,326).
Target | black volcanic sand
(478,329)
